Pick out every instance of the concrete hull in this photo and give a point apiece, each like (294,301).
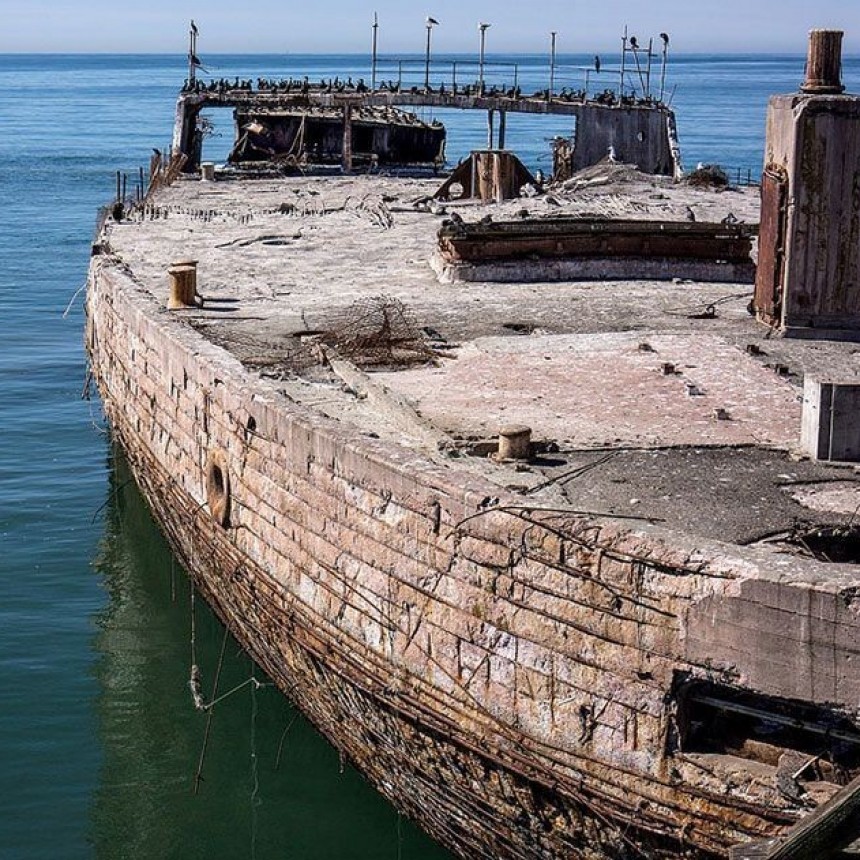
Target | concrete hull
(506,676)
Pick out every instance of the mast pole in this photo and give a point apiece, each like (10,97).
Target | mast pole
(192,72)
(665,38)
(648,74)
(373,53)
(623,59)
(192,53)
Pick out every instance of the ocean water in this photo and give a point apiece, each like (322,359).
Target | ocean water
(99,740)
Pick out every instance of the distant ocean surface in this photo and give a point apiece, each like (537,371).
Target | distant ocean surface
(99,740)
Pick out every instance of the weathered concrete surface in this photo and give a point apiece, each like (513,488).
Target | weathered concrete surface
(608,390)
(483,646)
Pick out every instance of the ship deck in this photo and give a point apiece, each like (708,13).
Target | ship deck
(661,401)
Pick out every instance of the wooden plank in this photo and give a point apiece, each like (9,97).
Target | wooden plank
(823,834)
(753,850)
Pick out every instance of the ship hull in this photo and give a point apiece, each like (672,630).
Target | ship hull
(456,654)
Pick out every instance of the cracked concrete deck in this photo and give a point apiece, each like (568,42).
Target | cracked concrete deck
(704,411)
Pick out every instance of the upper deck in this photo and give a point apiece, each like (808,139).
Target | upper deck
(640,131)
(655,400)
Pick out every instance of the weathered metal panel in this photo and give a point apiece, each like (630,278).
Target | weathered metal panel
(830,428)
(566,237)
(771,245)
(816,139)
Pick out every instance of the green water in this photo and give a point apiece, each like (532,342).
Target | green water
(269,787)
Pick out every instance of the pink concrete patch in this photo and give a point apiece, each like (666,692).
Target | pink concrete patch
(604,390)
(838,498)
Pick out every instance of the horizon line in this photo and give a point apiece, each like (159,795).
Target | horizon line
(183,55)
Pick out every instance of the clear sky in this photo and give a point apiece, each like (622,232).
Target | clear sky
(317,26)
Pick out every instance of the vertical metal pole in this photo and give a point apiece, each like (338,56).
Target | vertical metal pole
(648,75)
(192,71)
(663,70)
(347,137)
(638,68)
(623,58)
(490,128)
(503,121)
(454,76)
(373,53)
(553,34)
(192,52)
(427,58)
(399,74)
(483,29)
(516,75)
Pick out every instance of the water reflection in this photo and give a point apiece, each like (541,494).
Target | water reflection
(270,787)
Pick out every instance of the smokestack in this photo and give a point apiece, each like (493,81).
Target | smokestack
(824,63)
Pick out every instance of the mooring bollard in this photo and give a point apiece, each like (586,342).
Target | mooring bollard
(515,442)
(183,285)
(207,171)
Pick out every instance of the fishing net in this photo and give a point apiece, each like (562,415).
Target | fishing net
(377,331)
(373,333)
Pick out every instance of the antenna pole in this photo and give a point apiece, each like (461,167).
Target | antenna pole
(483,30)
(373,53)
(192,72)
(623,58)
(192,53)
(648,74)
(663,69)
(427,59)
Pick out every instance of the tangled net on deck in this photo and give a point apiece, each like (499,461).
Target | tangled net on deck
(375,332)
(378,331)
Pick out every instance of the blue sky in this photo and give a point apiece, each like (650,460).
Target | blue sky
(279,26)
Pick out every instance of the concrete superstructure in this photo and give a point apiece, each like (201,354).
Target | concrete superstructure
(641,134)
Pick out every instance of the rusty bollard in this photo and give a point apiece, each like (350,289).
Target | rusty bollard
(515,442)
(824,63)
(183,285)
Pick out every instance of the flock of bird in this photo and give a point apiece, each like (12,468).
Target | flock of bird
(303,86)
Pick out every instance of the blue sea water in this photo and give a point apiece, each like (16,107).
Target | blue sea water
(99,742)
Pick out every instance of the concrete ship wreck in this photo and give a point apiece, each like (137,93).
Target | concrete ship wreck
(535,551)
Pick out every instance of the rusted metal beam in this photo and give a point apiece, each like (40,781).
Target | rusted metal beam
(256,100)
(566,237)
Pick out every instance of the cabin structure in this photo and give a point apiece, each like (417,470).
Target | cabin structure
(640,133)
